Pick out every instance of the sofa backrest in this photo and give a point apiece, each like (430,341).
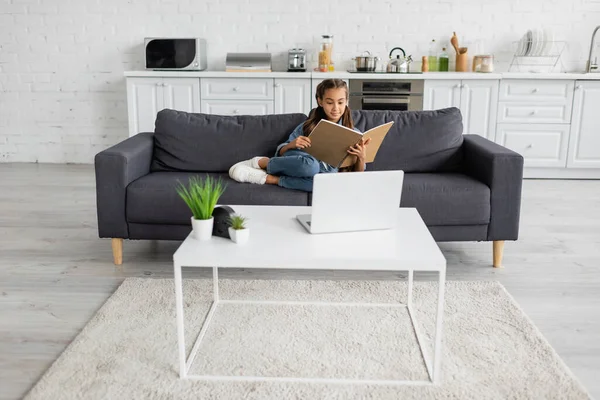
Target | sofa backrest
(212,143)
(419,141)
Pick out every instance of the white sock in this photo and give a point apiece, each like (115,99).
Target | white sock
(245,174)
(254,162)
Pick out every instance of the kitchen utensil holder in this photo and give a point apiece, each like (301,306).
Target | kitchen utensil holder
(538,63)
(462,62)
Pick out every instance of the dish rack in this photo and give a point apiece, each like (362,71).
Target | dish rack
(541,56)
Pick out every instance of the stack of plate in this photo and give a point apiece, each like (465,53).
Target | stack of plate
(536,43)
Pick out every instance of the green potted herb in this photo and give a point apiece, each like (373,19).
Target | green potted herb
(238,231)
(201,196)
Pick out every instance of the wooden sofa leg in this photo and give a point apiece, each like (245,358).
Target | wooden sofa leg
(498,249)
(117,248)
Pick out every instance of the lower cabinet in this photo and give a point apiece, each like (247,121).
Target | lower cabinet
(222,96)
(476,99)
(541,145)
(292,96)
(237,107)
(147,96)
(584,145)
(554,124)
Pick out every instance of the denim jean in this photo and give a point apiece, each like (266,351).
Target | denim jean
(296,170)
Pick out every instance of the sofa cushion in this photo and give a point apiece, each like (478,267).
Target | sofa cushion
(152,199)
(213,143)
(419,141)
(447,198)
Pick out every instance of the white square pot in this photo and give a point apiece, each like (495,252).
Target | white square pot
(239,236)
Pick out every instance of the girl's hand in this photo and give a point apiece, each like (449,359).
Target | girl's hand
(301,142)
(360,150)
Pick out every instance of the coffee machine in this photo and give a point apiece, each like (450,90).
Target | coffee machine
(296,60)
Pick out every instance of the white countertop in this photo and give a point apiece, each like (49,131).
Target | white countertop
(348,75)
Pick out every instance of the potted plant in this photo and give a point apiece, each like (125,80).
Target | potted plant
(238,232)
(201,197)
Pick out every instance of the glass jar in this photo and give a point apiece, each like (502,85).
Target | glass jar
(483,63)
(325,52)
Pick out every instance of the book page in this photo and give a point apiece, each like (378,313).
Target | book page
(330,142)
(377,135)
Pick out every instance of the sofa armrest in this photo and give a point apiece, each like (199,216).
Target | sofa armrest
(116,167)
(501,169)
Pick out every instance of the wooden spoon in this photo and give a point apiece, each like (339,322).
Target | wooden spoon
(454,42)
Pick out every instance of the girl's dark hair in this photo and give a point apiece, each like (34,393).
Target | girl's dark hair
(318,113)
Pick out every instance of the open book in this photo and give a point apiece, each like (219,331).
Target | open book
(329,142)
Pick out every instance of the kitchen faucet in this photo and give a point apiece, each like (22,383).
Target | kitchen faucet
(592,67)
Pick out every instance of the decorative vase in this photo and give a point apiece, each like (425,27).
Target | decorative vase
(202,228)
(239,236)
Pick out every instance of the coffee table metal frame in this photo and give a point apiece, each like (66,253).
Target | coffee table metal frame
(432,363)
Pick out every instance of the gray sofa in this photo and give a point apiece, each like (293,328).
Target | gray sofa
(465,187)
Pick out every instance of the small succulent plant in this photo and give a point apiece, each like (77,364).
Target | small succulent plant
(238,222)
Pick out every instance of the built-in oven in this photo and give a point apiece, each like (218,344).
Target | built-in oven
(386,94)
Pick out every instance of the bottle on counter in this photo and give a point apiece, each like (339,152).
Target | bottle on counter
(433,59)
(443,60)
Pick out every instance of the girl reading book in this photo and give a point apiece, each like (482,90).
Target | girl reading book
(293,168)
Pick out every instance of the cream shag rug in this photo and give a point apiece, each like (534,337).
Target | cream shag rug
(129,348)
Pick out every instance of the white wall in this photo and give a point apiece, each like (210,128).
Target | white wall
(62,61)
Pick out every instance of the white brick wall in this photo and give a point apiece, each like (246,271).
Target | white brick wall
(62,91)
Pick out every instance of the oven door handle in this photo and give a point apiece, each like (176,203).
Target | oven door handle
(385,100)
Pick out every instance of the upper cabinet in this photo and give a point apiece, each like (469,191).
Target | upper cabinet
(476,99)
(584,140)
(292,96)
(147,96)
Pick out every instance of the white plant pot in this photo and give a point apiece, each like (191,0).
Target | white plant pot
(239,236)
(202,228)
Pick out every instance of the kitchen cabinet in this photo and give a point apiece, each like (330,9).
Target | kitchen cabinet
(534,119)
(292,96)
(231,96)
(237,89)
(541,145)
(315,83)
(478,105)
(237,107)
(584,141)
(536,91)
(147,96)
(535,101)
(439,94)
(551,121)
(476,99)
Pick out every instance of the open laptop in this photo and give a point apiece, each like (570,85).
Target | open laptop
(354,201)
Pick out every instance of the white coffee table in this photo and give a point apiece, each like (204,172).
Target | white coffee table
(275,233)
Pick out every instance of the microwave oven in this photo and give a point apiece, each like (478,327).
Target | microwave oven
(175,53)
